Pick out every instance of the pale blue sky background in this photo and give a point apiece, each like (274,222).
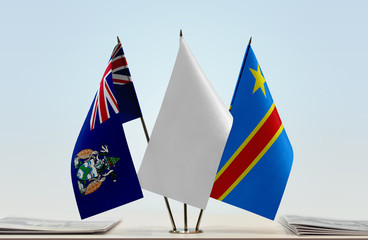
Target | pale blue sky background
(312,53)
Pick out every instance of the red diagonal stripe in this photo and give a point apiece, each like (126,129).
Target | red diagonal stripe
(121,62)
(124,61)
(247,155)
(111,95)
(116,50)
(107,70)
(94,112)
(102,103)
(120,81)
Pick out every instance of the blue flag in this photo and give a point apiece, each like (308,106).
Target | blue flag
(258,156)
(102,170)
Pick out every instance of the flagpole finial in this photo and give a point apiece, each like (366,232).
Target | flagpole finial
(250,41)
(181,33)
(118,39)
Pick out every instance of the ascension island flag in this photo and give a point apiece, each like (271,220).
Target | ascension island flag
(102,169)
(258,156)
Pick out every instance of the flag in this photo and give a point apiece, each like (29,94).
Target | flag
(102,170)
(188,137)
(257,159)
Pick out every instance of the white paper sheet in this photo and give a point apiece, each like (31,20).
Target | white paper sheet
(46,226)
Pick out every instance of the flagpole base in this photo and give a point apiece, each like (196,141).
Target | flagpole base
(182,231)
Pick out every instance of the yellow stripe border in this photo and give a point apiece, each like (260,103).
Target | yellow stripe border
(260,155)
(250,136)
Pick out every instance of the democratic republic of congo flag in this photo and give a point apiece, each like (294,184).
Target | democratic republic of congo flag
(258,156)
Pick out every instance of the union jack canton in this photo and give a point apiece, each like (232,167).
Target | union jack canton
(118,70)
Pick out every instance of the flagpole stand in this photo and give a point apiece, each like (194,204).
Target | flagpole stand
(186,230)
(182,231)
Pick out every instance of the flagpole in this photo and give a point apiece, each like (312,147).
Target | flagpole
(185,218)
(185,205)
(241,70)
(147,138)
(199,220)
(145,129)
(165,198)
(170,213)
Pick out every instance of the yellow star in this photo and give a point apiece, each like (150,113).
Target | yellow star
(260,80)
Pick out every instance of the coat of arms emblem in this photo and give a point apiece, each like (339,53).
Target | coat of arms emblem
(92,169)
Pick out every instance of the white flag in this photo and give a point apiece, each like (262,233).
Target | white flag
(188,138)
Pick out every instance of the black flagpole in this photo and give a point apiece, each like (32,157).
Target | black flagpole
(147,138)
(165,198)
(185,205)
(199,220)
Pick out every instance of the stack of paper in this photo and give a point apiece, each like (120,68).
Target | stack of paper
(322,226)
(42,226)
